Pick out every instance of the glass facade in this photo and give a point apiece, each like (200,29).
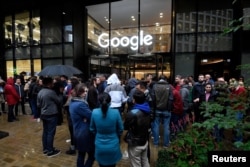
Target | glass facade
(130,37)
(131,31)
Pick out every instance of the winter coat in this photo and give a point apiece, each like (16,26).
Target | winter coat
(137,123)
(108,131)
(11,95)
(80,116)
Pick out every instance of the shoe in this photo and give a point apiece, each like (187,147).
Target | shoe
(70,152)
(45,152)
(38,120)
(53,153)
(165,147)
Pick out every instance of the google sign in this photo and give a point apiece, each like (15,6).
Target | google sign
(103,41)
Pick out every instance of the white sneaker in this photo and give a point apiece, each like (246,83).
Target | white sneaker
(125,155)
(38,120)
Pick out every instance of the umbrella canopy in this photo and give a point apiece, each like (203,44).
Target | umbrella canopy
(57,70)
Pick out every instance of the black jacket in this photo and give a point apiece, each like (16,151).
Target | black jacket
(137,123)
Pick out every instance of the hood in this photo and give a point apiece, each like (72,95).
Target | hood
(143,107)
(10,81)
(132,82)
(113,79)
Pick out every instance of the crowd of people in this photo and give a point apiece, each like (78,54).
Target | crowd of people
(100,110)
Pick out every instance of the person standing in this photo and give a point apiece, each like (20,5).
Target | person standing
(117,92)
(93,93)
(81,114)
(73,82)
(35,91)
(48,103)
(12,98)
(20,90)
(197,91)
(106,123)
(137,123)
(163,105)
(2,96)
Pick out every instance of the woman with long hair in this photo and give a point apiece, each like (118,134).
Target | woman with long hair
(81,115)
(106,124)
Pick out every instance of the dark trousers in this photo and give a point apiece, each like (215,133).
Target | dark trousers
(81,162)
(70,126)
(22,102)
(49,131)
(3,107)
(11,116)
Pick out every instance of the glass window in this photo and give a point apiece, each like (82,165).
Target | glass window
(214,21)
(246,20)
(22,29)
(50,51)
(52,26)
(22,52)
(98,24)
(10,68)
(130,29)
(9,54)
(67,26)
(68,50)
(22,65)
(36,52)
(8,32)
(37,66)
(184,64)
(48,62)
(214,42)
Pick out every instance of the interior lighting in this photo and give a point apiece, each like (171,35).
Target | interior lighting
(157,24)
(161,15)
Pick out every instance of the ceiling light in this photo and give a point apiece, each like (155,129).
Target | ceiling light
(204,60)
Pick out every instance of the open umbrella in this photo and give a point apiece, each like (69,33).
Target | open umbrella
(57,70)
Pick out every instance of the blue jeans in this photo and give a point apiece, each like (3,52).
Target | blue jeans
(49,131)
(159,117)
(238,133)
(34,108)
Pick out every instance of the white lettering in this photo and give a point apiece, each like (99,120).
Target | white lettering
(216,158)
(103,41)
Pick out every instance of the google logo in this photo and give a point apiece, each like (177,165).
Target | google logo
(103,41)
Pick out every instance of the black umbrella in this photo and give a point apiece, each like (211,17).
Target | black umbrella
(57,70)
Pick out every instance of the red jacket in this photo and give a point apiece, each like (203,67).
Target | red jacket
(10,92)
(178,103)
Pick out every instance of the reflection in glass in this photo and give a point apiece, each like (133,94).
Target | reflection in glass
(8,31)
(22,29)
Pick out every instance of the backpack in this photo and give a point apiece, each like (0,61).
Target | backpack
(161,92)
